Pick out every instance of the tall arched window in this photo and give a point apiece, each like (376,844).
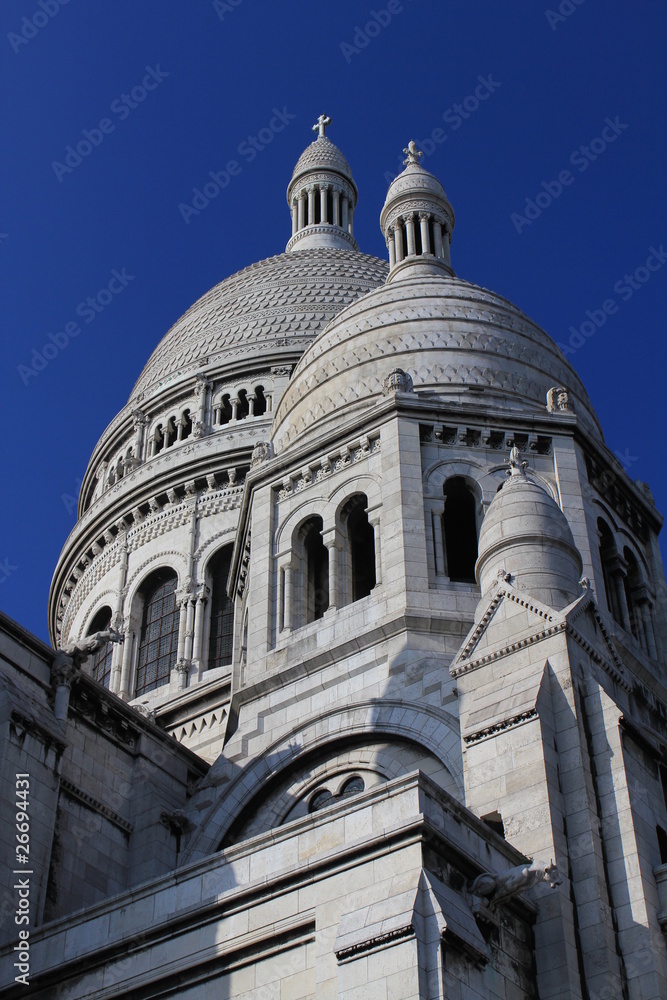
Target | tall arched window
(315,571)
(459,524)
(639,603)
(159,631)
(221,635)
(632,582)
(359,549)
(100,662)
(611,572)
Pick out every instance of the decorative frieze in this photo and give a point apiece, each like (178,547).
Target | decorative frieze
(474,437)
(95,805)
(327,465)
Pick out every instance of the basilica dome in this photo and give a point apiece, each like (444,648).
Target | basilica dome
(274,306)
(455,340)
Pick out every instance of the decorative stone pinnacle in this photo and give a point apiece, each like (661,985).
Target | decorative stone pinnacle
(413,155)
(321,125)
(517,467)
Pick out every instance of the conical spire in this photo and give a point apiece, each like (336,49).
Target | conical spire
(322,196)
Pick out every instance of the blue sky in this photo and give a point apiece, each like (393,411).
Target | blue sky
(169,92)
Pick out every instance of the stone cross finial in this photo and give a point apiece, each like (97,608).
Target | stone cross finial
(321,125)
(413,154)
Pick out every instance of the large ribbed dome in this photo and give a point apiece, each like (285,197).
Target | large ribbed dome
(450,336)
(281,301)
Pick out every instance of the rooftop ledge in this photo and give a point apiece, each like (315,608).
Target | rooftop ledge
(399,814)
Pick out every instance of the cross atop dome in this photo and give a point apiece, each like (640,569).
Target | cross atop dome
(322,195)
(320,126)
(413,154)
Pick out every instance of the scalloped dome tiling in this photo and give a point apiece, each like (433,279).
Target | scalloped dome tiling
(322,154)
(287,296)
(450,336)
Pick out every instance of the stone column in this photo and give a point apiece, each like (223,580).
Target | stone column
(423,227)
(235,405)
(391,247)
(202,387)
(331,542)
(182,602)
(139,423)
(336,206)
(288,596)
(345,213)
(350,220)
(644,618)
(200,612)
(189,628)
(437,239)
(295,216)
(301,211)
(410,234)
(374,520)
(126,665)
(435,508)
(398,241)
(323,204)
(311,205)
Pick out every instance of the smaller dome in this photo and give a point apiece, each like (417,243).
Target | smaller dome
(417,221)
(322,196)
(526,534)
(322,154)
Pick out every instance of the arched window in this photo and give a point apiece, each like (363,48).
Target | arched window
(639,604)
(159,631)
(315,571)
(611,572)
(459,528)
(360,548)
(185,425)
(353,786)
(243,406)
(221,635)
(260,401)
(632,582)
(100,662)
(170,433)
(158,439)
(224,410)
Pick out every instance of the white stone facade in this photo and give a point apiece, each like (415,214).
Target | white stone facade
(441,657)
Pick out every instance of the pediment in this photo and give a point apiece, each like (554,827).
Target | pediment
(511,620)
